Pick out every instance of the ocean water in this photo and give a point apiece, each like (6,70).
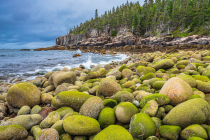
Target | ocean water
(29,64)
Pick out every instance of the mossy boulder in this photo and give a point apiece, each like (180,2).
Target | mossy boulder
(183,115)
(13,132)
(168,108)
(24,110)
(177,90)
(106,117)
(142,126)
(46,98)
(189,79)
(36,109)
(65,136)
(129,84)
(35,130)
(158,84)
(81,125)
(163,64)
(124,111)
(48,134)
(92,107)
(64,110)
(93,75)
(110,103)
(123,96)
(22,94)
(122,67)
(157,121)
(61,77)
(142,70)
(170,132)
(71,99)
(108,87)
(150,108)
(127,73)
(114,72)
(27,121)
(52,118)
(160,113)
(194,96)
(159,98)
(114,132)
(61,88)
(147,76)
(183,62)
(190,66)
(59,127)
(203,86)
(201,78)
(141,94)
(195,138)
(194,130)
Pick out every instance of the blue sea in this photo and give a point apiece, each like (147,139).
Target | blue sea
(29,64)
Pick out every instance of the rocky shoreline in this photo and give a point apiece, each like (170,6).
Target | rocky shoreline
(147,96)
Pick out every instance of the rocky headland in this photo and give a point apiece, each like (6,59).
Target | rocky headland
(126,42)
(153,96)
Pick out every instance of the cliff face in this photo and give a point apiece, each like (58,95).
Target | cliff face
(69,40)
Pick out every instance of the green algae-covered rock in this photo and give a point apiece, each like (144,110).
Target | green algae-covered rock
(157,121)
(129,84)
(194,96)
(203,86)
(61,77)
(92,107)
(200,93)
(114,132)
(70,114)
(150,108)
(92,80)
(22,94)
(183,62)
(201,78)
(81,125)
(183,115)
(160,113)
(163,64)
(125,111)
(65,136)
(24,110)
(114,72)
(170,132)
(110,103)
(108,87)
(59,127)
(36,109)
(52,118)
(152,138)
(48,134)
(141,94)
(142,126)
(195,138)
(106,117)
(71,99)
(127,73)
(168,108)
(94,74)
(159,98)
(142,70)
(35,130)
(158,84)
(84,88)
(147,76)
(194,130)
(64,110)
(13,132)
(122,67)
(123,96)
(27,121)
(189,79)
(177,90)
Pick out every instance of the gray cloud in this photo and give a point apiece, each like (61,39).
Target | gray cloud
(33,24)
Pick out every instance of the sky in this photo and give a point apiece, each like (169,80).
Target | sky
(36,23)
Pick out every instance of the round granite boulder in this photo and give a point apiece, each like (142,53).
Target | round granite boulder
(177,90)
(108,87)
(194,111)
(22,94)
(81,125)
(106,117)
(13,132)
(92,107)
(71,99)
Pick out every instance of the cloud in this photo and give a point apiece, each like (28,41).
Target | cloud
(27,24)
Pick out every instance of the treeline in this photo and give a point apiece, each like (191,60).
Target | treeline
(153,17)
